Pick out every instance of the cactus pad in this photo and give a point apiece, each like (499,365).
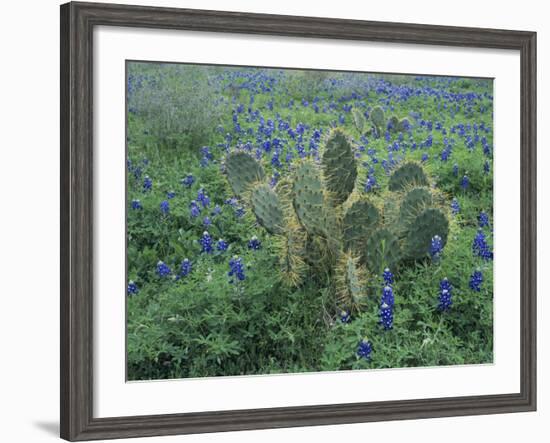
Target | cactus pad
(308,198)
(382,251)
(377,117)
(265,204)
(359,222)
(339,166)
(415,201)
(408,174)
(242,171)
(359,120)
(426,225)
(350,282)
(393,123)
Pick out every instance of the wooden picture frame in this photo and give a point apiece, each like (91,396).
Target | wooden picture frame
(77,23)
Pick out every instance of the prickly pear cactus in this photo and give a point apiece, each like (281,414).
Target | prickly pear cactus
(408,174)
(359,120)
(383,250)
(308,199)
(359,221)
(265,204)
(339,166)
(351,281)
(425,226)
(416,200)
(243,171)
(377,117)
(393,123)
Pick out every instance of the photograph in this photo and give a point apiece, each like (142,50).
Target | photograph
(289,220)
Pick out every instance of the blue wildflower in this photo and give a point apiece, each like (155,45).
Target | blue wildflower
(254,243)
(455,206)
(165,207)
(136,204)
(370,184)
(345,316)
(424,158)
(236,268)
(170,195)
(206,242)
(132,288)
(480,246)
(436,247)
(217,210)
(221,245)
(188,180)
(186,267)
(486,167)
(194,209)
(163,269)
(455,170)
(364,349)
(386,316)
(388,276)
(147,184)
(445,295)
(203,198)
(475,280)
(206,221)
(483,219)
(465,182)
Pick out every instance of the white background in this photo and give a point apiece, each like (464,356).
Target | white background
(30,211)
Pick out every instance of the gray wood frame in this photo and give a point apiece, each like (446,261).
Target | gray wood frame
(77,23)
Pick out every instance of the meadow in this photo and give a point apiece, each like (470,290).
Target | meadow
(284,221)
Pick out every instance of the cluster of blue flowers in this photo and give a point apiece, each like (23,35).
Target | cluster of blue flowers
(436,247)
(364,349)
(163,270)
(387,301)
(254,243)
(480,247)
(445,295)
(476,280)
(132,288)
(236,269)
(206,243)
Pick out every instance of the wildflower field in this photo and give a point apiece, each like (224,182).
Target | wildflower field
(286,221)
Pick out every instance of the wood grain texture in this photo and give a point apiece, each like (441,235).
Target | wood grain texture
(76,307)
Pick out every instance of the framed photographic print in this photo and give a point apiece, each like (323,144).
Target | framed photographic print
(273,221)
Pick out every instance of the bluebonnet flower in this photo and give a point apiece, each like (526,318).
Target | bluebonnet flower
(203,198)
(480,246)
(370,184)
(186,267)
(206,221)
(445,295)
(436,247)
(132,288)
(147,183)
(364,349)
(388,276)
(165,207)
(206,242)
(236,268)
(170,195)
(483,219)
(239,211)
(221,245)
(217,210)
(194,209)
(345,316)
(465,182)
(188,180)
(136,204)
(424,157)
(254,243)
(455,206)
(486,167)
(475,280)
(163,269)
(455,170)
(386,307)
